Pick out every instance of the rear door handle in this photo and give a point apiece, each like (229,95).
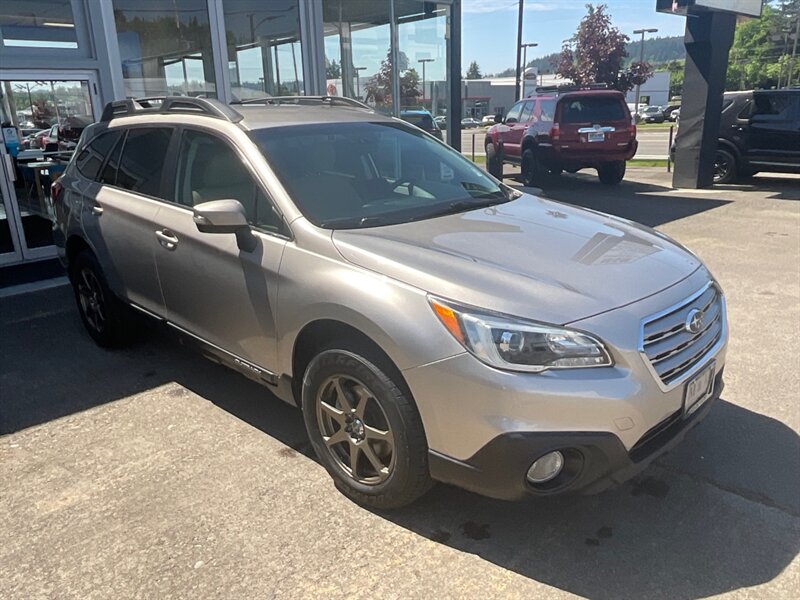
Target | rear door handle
(167,239)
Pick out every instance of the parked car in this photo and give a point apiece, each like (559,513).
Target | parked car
(487,121)
(674,115)
(759,131)
(470,123)
(27,138)
(652,114)
(431,322)
(62,137)
(564,129)
(422,119)
(441,122)
(670,111)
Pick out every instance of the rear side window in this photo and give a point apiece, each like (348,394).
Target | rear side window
(109,174)
(547,109)
(143,157)
(771,104)
(592,110)
(91,158)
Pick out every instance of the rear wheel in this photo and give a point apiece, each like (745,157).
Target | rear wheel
(532,170)
(611,173)
(365,428)
(493,163)
(107,320)
(724,166)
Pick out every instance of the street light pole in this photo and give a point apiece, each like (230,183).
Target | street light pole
(519,47)
(641,59)
(423,61)
(525,62)
(794,52)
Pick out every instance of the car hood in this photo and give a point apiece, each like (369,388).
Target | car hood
(530,257)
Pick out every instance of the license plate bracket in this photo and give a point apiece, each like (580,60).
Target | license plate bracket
(596,136)
(698,389)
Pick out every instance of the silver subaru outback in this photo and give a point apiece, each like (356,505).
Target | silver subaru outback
(432,323)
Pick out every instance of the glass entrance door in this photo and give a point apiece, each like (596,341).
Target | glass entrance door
(43,118)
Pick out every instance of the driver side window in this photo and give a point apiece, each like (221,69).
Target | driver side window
(209,169)
(514,113)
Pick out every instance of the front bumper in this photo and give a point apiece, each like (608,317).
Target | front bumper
(498,469)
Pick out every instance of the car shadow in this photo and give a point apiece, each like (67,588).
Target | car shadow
(718,514)
(633,200)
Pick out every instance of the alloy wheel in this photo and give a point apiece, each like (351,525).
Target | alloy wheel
(355,430)
(92,300)
(722,167)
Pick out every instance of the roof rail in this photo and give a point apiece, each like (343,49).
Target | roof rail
(569,87)
(307,100)
(210,107)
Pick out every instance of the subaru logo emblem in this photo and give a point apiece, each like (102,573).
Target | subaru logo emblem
(694,320)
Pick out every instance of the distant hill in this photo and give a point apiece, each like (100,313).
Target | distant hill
(657,51)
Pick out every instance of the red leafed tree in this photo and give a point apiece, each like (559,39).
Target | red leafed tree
(596,54)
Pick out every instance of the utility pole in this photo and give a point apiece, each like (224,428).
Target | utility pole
(423,61)
(641,59)
(519,46)
(525,62)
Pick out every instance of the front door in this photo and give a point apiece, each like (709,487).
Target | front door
(32,106)
(514,128)
(212,288)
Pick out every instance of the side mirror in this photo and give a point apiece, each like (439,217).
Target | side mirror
(225,216)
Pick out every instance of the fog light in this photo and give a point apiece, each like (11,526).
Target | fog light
(546,468)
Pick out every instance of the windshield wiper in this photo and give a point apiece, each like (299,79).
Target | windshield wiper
(458,206)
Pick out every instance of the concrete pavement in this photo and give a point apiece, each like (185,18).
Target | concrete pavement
(151,472)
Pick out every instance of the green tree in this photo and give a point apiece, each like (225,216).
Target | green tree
(379,88)
(760,56)
(597,53)
(474,71)
(676,69)
(333,70)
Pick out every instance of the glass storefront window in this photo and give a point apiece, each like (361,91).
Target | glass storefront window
(38,24)
(165,47)
(357,51)
(264,51)
(421,33)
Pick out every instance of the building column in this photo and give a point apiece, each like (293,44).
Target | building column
(454,107)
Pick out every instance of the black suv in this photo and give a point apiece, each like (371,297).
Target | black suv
(759,131)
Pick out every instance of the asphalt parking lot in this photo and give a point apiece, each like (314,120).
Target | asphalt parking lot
(153,473)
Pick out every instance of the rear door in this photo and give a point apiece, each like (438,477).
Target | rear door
(774,137)
(594,122)
(119,216)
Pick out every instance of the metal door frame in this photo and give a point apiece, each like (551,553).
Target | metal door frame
(22,252)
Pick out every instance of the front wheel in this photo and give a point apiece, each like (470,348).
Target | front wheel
(611,173)
(493,163)
(365,428)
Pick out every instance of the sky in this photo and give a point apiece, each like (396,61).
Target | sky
(489,27)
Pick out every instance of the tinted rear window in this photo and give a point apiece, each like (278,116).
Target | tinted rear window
(143,160)
(592,110)
(91,158)
(422,121)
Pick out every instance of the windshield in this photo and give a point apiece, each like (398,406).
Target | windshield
(350,175)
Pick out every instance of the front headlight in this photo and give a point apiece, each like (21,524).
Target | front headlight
(519,345)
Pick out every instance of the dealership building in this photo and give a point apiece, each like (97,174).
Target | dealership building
(62,60)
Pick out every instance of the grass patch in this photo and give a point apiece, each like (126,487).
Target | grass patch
(480,159)
(648,163)
(647,126)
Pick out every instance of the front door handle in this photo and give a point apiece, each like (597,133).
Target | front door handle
(167,239)
(97,210)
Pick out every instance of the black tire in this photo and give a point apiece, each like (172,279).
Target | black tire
(493,163)
(724,167)
(402,452)
(533,172)
(107,320)
(611,173)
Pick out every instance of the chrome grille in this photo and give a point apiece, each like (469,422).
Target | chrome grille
(673,350)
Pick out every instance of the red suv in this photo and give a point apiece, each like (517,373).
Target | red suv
(564,129)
